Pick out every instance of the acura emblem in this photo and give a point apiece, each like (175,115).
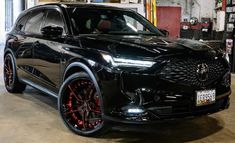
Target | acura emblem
(202,72)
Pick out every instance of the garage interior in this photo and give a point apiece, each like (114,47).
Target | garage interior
(33,116)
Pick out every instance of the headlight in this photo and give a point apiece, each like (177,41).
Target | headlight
(117,62)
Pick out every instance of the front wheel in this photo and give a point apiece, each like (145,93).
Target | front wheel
(80,105)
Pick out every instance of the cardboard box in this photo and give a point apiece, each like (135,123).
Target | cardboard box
(112,1)
(48,0)
(97,1)
(134,1)
(125,1)
(72,0)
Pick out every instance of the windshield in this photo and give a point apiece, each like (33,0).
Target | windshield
(107,21)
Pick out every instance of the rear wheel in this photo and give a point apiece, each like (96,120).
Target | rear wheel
(80,105)
(12,83)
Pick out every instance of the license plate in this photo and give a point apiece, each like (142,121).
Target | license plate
(205,97)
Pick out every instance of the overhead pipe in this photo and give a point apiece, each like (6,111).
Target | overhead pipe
(151,11)
(154,3)
(23,5)
(186,6)
(200,8)
(191,9)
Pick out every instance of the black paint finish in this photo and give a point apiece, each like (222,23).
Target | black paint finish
(151,72)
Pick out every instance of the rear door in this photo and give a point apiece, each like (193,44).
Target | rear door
(26,33)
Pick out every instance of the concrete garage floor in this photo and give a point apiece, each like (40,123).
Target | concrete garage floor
(32,117)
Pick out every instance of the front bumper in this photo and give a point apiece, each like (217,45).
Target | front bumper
(160,100)
(162,114)
(163,92)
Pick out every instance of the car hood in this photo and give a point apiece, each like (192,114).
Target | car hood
(145,45)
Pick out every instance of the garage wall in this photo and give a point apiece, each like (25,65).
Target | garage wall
(200,8)
(2,21)
(17,8)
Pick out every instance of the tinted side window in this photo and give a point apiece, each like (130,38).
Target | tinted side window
(21,23)
(33,25)
(54,18)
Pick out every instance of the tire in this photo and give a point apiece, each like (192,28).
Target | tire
(80,105)
(11,81)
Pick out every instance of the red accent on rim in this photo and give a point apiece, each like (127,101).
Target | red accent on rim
(81,107)
(8,71)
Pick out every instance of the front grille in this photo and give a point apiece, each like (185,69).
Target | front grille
(184,70)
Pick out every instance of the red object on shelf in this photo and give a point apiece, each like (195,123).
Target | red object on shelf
(185,25)
(224,3)
(206,23)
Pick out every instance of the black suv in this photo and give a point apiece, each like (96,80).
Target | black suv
(111,64)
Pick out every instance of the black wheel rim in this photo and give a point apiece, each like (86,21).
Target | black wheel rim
(81,107)
(8,72)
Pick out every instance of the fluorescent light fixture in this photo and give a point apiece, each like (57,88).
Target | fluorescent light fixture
(127,62)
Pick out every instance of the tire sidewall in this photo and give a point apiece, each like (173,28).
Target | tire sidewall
(70,79)
(10,88)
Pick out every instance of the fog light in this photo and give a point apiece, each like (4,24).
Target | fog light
(135,111)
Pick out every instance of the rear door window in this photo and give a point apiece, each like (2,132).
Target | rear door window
(34,23)
(21,23)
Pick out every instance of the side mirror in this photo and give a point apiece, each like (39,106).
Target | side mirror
(52,31)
